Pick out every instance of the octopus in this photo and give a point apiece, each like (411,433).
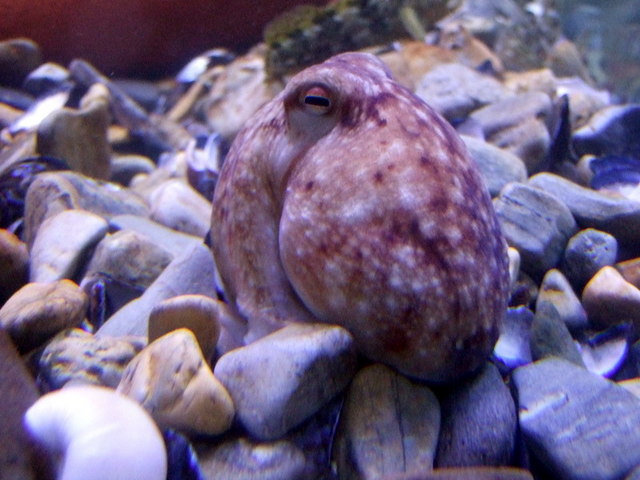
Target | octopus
(347,200)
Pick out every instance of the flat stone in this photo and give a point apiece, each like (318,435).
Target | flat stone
(469,473)
(17,453)
(467,409)
(388,424)
(53,192)
(171,240)
(536,223)
(38,311)
(125,167)
(557,291)
(497,166)
(587,252)
(242,459)
(176,205)
(282,379)
(610,300)
(192,272)
(62,242)
(129,257)
(77,356)
(455,90)
(14,264)
(615,215)
(529,141)
(46,78)
(578,424)
(550,336)
(79,137)
(172,380)
(611,131)
(198,313)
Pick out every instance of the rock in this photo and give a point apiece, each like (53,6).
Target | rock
(242,459)
(587,252)
(550,336)
(556,290)
(172,380)
(125,167)
(176,205)
(18,57)
(18,457)
(513,348)
(618,216)
(14,264)
(584,99)
(517,124)
(388,425)
(455,90)
(630,270)
(192,272)
(538,80)
(79,137)
(62,244)
(77,356)
(470,473)
(467,409)
(88,427)
(282,379)
(129,257)
(170,240)
(578,424)
(610,132)
(198,313)
(52,192)
(497,166)
(45,79)
(38,311)
(536,223)
(604,352)
(610,300)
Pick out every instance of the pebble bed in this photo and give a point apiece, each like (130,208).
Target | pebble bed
(106,281)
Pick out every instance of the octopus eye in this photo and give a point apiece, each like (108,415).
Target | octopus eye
(317,100)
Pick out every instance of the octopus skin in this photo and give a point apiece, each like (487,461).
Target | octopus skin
(347,200)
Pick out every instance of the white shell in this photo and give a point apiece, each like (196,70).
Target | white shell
(98,434)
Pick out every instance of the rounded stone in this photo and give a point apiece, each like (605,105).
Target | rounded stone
(198,313)
(177,205)
(556,290)
(14,264)
(587,252)
(172,380)
(38,311)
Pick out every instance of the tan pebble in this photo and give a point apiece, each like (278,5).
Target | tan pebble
(14,264)
(630,270)
(172,381)
(198,313)
(610,300)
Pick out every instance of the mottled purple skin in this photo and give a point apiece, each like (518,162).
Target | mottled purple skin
(369,215)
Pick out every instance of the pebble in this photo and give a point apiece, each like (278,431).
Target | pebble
(45,79)
(455,90)
(513,348)
(88,428)
(282,379)
(18,57)
(618,216)
(557,291)
(578,424)
(125,167)
(388,425)
(198,313)
(630,270)
(604,352)
(14,264)
(610,300)
(550,336)
(467,409)
(176,205)
(192,272)
(497,166)
(76,356)
(55,254)
(128,257)
(243,459)
(517,124)
(536,223)
(587,252)
(18,457)
(470,473)
(172,380)
(611,131)
(52,192)
(38,311)
(79,137)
